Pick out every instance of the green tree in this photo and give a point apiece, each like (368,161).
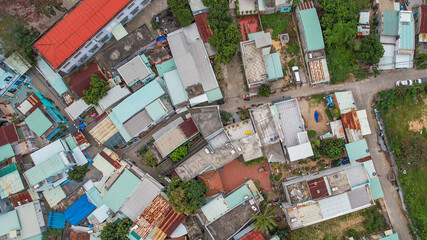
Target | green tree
(283,233)
(244,114)
(16,36)
(332,148)
(179,153)
(225,41)
(311,133)
(52,233)
(78,173)
(264,90)
(186,197)
(225,116)
(370,50)
(48,7)
(97,90)
(116,230)
(264,222)
(181,10)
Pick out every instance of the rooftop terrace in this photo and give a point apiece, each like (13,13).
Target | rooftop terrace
(253,63)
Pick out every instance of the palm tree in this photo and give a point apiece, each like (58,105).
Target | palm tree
(264,222)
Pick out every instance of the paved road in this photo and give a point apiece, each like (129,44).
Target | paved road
(364,92)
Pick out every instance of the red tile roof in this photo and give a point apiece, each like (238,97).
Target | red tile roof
(254,235)
(82,80)
(110,160)
(20,199)
(188,128)
(423,16)
(171,222)
(8,134)
(76,28)
(306,5)
(80,138)
(202,25)
(35,101)
(213,182)
(317,188)
(79,236)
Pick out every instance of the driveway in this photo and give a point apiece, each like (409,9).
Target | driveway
(363,92)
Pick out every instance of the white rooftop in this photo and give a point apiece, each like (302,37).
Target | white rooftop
(134,70)
(77,108)
(48,151)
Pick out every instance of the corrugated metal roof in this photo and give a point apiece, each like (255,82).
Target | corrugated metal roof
(334,206)
(104,130)
(8,134)
(273,66)
(406,31)
(38,122)
(312,30)
(105,167)
(351,126)
(319,71)
(262,40)
(390,22)
(19,64)
(238,196)
(47,168)
(188,128)
(317,188)
(121,190)
(394,236)
(54,195)
(95,197)
(171,222)
(137,123)
(376,189)
(203,27)
(357,150)
(155,109)
(215,209)
(134,70)
(52,77)
(170,141)
(77,108)
(137,101)
(77,27)
(81,81)
(364,17)
(48,151)
(9,222)
(404,60)
(119,32)
(165,67)
(423,19)
(114,95)
(10,181)
(364,123)
(214,95)
(345,101)
(151,216)
(162,131)
(28,220)
(6,151)
(309,212)
(197,6)
(261,5)
(175,88)
(70,141)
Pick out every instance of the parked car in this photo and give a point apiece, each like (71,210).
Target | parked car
(403,83)
(295,71)
(418,81)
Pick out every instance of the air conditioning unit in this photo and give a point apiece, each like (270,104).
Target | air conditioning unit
(254,208)
(334,189)
(293,220)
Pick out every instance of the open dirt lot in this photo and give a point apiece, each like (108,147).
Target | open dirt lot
(308,108)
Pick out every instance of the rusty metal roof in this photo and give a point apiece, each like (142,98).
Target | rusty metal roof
(351,126)
(151,216)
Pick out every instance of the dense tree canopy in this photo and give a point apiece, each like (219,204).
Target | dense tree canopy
(332,148)
(49,7)
(78,173)
(370,50)
(16,36)
(98,89)
(264,90)
(116,230)
(181,10)
(186,197)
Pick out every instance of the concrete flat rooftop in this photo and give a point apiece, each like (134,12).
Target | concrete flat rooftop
(207,119)
(298,192)
(290,120)
(253,62)
(264,123)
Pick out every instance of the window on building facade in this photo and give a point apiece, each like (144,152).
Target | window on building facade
(134,11)
(104,39)
(120,16)
(131,5)
(93,49)
(83,58)
(125,20)
(66,65)
(88,45)
(77,55)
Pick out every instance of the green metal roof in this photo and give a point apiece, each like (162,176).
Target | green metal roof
(251,36)
(6,151)
(54,196)
(38,122)
(137,101)
(165,67)
(273,66)
(119,32)
(133,236)
(357,150)
(47,168)
(121,190)
(155,110)
(312,30)
(376,189)
(407,36)
(52,77)
(10,181)
(70,141)
(394,236)
(237,197)
(390,21)
(9,222)
(95,197)
(175,87)
(214,95)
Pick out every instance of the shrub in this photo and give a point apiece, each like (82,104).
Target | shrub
(97,90)
(148,160)
(154,24)
(78,173)
(332,148)
(116,230)
(186,197)
(179,154)
(293,49)
(244,114)
(264,90)
(311,133)
(255,161)
(225,116)
(329,114)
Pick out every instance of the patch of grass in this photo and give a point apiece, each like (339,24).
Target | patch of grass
(277,22)
(154,24)
(293,49)
(329,114)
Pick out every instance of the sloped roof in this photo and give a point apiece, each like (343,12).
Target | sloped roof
(82,80)
(28,220)
(165,67)
(114,95)
(311,24)
(8,134)
(253,235)
(103,129)
(175,88)
(6,151)
(30,104)
(38,122)
(151,216)
(273,66)
(171,221)
(10,181)
(357,150)
(213,182)
(44,170)
(77,108)
(390,22)
(423,19)
(203,27)
(77,27)
(79,210)
(54,196)
(121,190)
(9,222)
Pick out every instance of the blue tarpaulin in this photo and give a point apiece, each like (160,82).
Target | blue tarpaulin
(79,210)
(56,220)
(316,116)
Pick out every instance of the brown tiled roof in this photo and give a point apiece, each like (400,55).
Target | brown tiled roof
(254,235)
(35,101)
(423,24)
(20,199)
(318,188)
(202,25)
(8,134)
(213,182)
(188,128)
(79,236)
(171,221)
(80,138)
(110,160)
(158,235)
(82,80)
(151,216)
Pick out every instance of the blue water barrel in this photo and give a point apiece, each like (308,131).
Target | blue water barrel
(160,39)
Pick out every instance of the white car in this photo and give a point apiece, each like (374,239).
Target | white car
(418,81)
(403,83)
(295,71)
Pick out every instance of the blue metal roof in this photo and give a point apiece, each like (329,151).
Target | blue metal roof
(79,210)
(56,220)
(137,101)
(155,110)
(175,87)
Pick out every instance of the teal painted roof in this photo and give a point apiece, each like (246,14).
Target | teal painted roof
(137,101)
(38,122)
(407,36)
(214,95)
(238,196)
(54,195)
(6,152)
(273,66)
(390,21)
(133,236)
(312,30)
(376,189)
(70,141)
(52,77)
(155,110)
(121,190)
(357,150)
(10,181)
(45,169)
(261,5)
(165,67)
(145,60)
(394,236)
(251,36)
(95,197)
(175,87)
(9,222)
(215,208)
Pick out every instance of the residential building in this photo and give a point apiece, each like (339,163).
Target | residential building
(114,96)
(421,24)
(77,108)
(105,132)
(193,66)
(273,6)
(363,28)
(312,42)
(42,125)
(12,75)
(260,66)
(344,101)
(75,38)
(53,78)
(8,136)
(10,181)
(81,81)
(136,70)
(244,138)
(20,138)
